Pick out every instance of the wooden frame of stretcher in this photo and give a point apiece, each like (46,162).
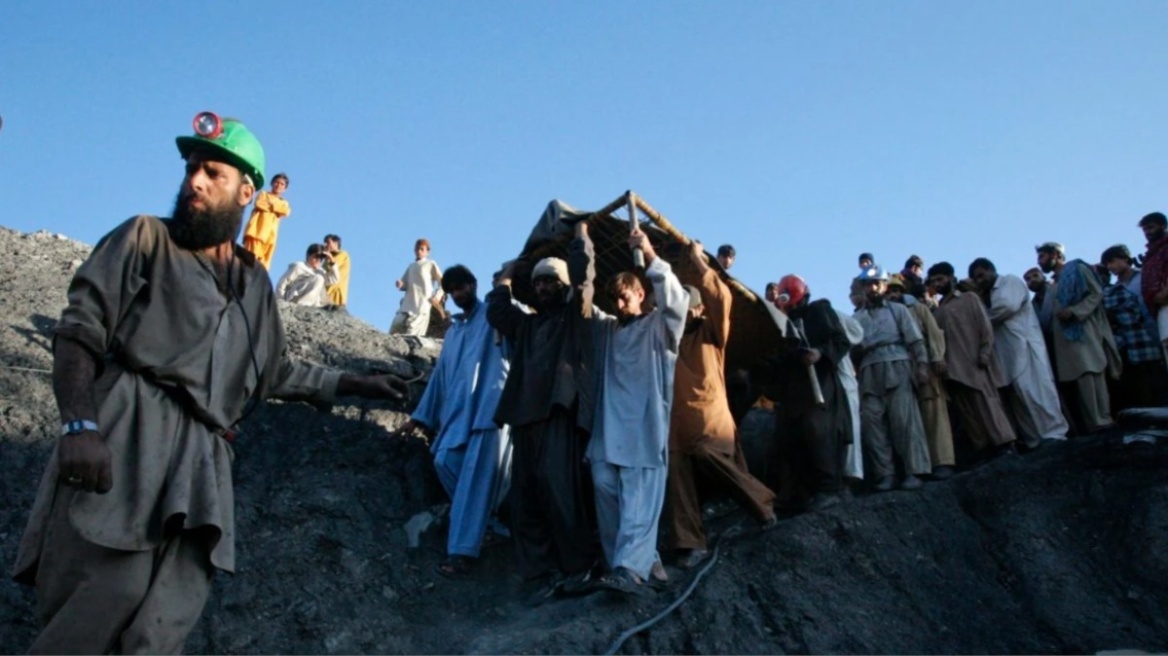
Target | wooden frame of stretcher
(755,331)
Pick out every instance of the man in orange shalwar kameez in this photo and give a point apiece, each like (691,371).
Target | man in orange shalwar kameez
(703,440)
(270,207)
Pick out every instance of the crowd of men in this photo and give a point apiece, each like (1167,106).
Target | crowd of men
(605,432)
(614,423)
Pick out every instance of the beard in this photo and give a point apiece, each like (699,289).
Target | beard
(551,301)
(198,229)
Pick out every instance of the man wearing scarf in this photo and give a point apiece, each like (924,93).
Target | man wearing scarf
(1084,347)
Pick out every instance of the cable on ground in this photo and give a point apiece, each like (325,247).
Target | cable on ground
(732,532)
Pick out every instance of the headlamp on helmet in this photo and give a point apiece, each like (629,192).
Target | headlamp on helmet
(874,273)
(208,125)
(792,291)
(227,139)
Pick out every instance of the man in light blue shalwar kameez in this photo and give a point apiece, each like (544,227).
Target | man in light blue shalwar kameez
(472,454)
(636,353)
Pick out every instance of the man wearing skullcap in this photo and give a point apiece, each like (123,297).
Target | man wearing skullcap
(548,403)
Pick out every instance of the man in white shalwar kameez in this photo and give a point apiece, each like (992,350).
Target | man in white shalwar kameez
(636,354)
(413,315)
(854,461)
(1021,352)
(472,454)
(305,283)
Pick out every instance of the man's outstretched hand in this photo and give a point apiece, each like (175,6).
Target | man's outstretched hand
(384,386)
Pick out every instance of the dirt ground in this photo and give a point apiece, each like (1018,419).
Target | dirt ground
(1063,550)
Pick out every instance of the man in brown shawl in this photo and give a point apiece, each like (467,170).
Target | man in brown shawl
(171,334)
(972,369)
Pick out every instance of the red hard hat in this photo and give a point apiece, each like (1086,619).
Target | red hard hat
(791,291)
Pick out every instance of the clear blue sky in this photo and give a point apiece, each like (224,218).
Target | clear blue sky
(801,132)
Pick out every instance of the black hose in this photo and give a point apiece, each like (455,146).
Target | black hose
(733,531)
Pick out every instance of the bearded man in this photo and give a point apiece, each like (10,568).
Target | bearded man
(893,361)
(548,403)
(971,367)
(1084,346)
(1021,354)
(171,334)
(931,396)
(472,454)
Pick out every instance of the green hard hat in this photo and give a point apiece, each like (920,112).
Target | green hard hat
(232,140)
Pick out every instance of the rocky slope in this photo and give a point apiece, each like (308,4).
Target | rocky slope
(1063,550)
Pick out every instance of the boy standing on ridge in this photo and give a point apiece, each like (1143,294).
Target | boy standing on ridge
(422,283)
(264,224)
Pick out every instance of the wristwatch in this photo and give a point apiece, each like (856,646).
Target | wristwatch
(78,426)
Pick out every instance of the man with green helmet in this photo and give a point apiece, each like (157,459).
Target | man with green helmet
(170,337)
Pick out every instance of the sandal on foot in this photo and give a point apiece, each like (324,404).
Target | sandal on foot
(623,582)
(455,567)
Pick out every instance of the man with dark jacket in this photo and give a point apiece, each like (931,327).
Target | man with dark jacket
(813,433)
(548,402)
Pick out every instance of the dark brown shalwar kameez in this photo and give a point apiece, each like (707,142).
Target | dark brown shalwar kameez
(973,390)
(703,440)
(129,571)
